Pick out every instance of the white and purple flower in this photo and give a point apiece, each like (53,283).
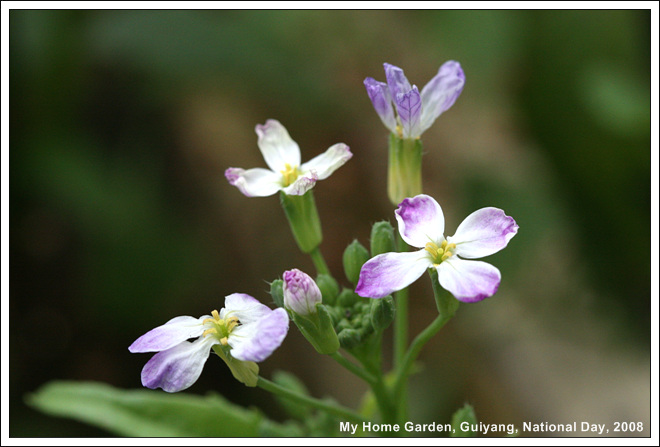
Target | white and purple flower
(414,112)
(422,224)
(245,329)
(286,173)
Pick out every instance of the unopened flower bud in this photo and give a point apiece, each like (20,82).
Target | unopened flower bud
(300,293)
(382,238)
(329,288)
(355,256)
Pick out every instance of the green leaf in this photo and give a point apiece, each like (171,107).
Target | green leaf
(146,412)
(467,418)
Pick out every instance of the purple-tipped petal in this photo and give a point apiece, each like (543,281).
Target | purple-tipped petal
(175,331)
(469,281)
(177,368)
(420,220)
(328,162)
(396,80)
(484,232)
(256,341)
(244,307)
(276,146)
(409,107)
(302,184)
(387,273)
(380,97)
(441,92)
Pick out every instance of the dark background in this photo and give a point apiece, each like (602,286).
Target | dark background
(123,122)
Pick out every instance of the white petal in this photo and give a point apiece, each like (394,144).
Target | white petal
(328,162)
(177,368)
(389,272)
(256,341)
(302,184)
(484,232)
(420,220)
(244,307)
(469,281)
(256,182)
(276,146)
(175,331)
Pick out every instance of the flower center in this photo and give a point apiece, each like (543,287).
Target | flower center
(220,328)
(441,253)
(289,174)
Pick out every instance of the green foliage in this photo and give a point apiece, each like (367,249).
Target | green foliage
(465,414)
(149,413)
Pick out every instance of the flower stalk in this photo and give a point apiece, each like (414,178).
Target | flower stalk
(404,173)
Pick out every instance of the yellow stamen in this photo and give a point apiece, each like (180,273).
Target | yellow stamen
(209,331)
(289,174)
(441,253)
(223,341)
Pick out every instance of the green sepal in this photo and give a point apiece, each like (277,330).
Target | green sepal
(354,257)
(318,329)
(465,414)
(303,219)
(277,292)
(404,173)
(444,301)
(245,372)
(382,238)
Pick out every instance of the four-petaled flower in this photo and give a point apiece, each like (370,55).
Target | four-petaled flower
(414,112)
(422,224)
(245,329)
(282,156)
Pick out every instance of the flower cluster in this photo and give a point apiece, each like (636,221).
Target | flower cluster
(329,316)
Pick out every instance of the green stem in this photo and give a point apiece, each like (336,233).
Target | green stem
(401,334)
(447,306)
(328,407)
(319,261)
(387,409)
(355,369)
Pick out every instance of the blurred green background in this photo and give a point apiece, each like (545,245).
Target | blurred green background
(123,122)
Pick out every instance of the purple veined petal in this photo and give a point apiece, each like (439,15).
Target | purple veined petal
(244,307)
(379,93)
(440,93)
(301,293)
(328,162)
(276,146)
(420,220)
(387,273)
(484,232)
(409,107)
(177,368)
(256,341)
(255,182)
(302,184)
(469,281)
(175,331)
(396,80)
